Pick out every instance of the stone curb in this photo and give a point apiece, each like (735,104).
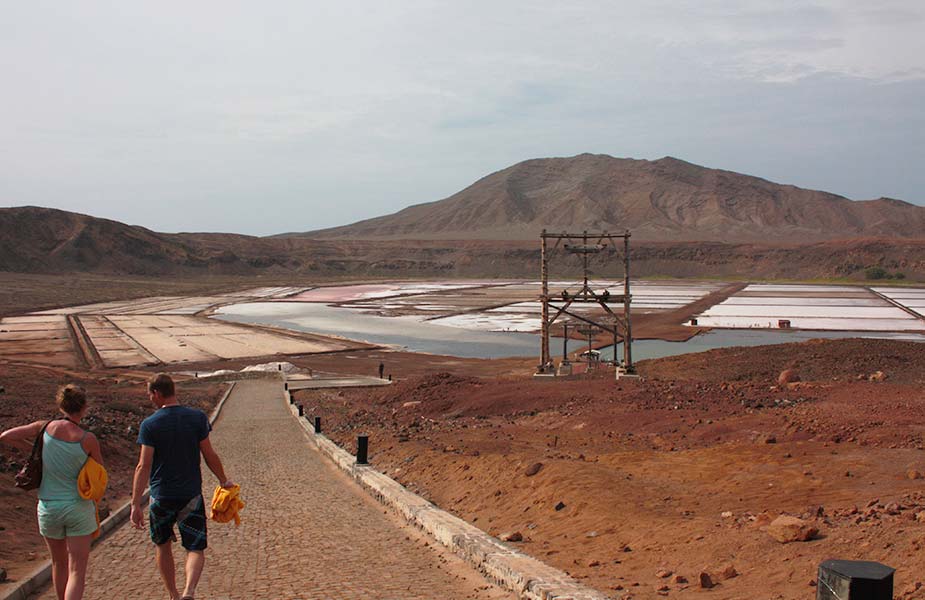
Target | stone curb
(38,578)
(529,578)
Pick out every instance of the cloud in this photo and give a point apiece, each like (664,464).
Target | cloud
(253,117)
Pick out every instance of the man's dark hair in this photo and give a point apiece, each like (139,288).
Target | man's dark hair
(163,384)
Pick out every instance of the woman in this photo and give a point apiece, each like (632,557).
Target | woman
(66,520)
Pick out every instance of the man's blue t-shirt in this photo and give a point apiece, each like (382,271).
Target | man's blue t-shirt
(175,432)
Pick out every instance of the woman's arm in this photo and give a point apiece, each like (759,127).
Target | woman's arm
(91,446)
(22,437)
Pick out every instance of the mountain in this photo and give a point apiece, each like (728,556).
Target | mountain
(662,200)
(44,240)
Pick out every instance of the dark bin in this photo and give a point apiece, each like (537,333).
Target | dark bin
(854,580)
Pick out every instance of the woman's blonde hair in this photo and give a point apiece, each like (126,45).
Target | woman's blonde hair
(71,398)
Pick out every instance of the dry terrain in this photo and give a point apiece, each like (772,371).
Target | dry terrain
(679,472)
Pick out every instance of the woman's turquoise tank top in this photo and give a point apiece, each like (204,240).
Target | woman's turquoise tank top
(61,463)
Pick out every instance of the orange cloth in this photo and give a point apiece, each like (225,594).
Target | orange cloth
(226,504)
(91,485)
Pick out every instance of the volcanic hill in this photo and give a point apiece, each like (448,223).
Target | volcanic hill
(662,200)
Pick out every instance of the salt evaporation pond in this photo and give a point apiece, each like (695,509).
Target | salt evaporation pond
(727,338)
(407,331)
(425,336)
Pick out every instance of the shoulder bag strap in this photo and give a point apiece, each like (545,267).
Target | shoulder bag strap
(39,440)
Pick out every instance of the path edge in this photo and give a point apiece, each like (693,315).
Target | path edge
(526,576)
(39,577)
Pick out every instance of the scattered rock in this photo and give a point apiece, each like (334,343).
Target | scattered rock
(726,514)
(515,536)
(411,403)
(788,376)
(914,474)
(706,581)
(876,376)
(663,573)
(728,572)
(786,529)
(594,563)
(560,506)
(679,579)
(533,469)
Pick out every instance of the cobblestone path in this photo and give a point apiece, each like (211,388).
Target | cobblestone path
(308,531)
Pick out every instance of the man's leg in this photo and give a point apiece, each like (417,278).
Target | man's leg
(195,561)
(194,535)
(167,569)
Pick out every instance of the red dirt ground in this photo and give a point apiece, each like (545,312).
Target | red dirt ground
(647,469)
(118,405)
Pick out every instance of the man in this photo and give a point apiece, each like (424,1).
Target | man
(381,369)
(172,440)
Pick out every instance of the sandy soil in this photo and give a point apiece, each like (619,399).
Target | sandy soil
(119,403)
(678,472)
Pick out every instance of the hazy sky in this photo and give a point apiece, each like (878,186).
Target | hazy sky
(264,117)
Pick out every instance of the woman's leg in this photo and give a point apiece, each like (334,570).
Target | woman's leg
(78,551)
(58,549)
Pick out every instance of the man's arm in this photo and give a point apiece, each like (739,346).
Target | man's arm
(140,482)
(214,462)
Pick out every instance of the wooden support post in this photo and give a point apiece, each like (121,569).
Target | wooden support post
(544,332)
(628,333)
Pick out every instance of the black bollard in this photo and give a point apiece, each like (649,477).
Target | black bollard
(317,424)
(286,386)
(854,580)
(362,449)
(301,411)
(291,401)
(390,377)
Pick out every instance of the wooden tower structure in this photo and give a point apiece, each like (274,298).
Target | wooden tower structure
(617,321)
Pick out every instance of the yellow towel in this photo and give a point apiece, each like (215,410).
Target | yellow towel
(91,485)
(226,503)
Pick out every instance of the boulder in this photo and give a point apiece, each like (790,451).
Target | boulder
(514,536)
(663,574)
(788,376)
(786,529)
(706,581)
(533,469)
(728,571)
